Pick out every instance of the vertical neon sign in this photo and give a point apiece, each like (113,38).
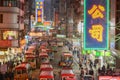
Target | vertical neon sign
(39,11)
(96,24)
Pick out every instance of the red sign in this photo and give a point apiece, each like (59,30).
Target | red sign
(47,23)
(109,77)
(5,43)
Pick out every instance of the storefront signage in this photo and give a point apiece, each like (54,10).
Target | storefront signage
(36,34)
(9,43)
(39,11)
(47,23)
(96,24)
(5,43)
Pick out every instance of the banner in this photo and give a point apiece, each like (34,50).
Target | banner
(96,24)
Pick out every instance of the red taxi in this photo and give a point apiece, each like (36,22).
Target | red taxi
(67,74)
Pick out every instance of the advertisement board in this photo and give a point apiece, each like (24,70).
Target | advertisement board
(5,43)
(9,43)
(96,24)
(39,11)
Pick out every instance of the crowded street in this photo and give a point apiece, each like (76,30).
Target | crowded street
(59,40)
(59,58)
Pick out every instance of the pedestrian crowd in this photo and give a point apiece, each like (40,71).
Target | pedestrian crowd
(108,71)
(7,68)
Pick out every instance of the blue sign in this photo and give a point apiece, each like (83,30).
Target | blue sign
(96,24)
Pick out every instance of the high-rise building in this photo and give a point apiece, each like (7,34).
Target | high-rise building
(11,25)
(48,10)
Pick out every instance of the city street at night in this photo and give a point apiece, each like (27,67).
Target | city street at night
(59,40)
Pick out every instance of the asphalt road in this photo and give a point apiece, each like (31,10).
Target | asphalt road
(57,69)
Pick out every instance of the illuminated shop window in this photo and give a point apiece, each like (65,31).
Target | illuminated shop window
(10,35)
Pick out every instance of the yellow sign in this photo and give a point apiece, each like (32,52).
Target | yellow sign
(96,32)
(39,16)
(39,12)
(41,3)
(96,11)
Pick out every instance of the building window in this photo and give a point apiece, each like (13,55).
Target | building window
(1,18)
(10,3)
(1,2)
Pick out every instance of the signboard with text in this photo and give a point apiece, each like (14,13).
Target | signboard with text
(9,43)
(96,24)
(39,11)
(5,43)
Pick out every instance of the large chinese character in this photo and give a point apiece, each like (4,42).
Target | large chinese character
(96,32)
(96,11)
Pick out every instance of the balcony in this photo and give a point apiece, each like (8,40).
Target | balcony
(9,9)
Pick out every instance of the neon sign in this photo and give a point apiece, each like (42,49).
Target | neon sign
(39,11)
(39,19)
(96,24)
(96,32)
(96,11)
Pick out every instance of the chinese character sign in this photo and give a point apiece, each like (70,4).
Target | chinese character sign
(39,11)
(39,15)
(96,24)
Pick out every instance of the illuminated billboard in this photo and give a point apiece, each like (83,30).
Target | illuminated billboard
(39,11)
(96,24)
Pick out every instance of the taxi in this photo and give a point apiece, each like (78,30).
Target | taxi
(66,59)
(21,71)
(46,67)
(67,74)
(46,75)
(43,57)
(31,59)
